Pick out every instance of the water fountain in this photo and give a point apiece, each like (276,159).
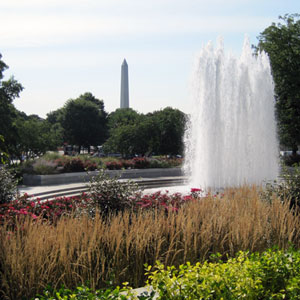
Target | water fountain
(231,136)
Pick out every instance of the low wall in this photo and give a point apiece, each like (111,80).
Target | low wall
(40,180)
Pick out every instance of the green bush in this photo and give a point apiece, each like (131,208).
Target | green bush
(291,160)
(8,185)
(44,167)
(288,189)
(83,293)
(140,162)
(111,195)
(51,156)
(274,274)
(156,163)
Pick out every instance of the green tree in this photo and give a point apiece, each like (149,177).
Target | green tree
(122,125)
(3,154)
(281,42)
(56,116)
(84,121)
(160,132)
(9,90)
(36,136)
(122,140)
(170,124)
(123,116)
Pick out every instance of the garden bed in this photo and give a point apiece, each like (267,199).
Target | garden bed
(37,180)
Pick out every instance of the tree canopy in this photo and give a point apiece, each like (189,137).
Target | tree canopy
(281,42)
(84,121)
(9,90)
(160,132)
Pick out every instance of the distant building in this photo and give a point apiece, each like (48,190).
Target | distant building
(124,103)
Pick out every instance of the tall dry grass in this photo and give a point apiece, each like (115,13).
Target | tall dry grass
(76,251)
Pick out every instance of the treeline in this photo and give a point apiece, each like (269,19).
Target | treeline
(84,122)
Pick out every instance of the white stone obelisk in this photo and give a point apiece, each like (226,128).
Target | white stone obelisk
(124,85)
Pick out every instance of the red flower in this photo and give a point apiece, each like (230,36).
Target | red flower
(194,190)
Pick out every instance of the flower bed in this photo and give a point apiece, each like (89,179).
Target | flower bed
(68,206)
(66,164)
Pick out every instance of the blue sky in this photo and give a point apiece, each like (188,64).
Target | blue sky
(59,49)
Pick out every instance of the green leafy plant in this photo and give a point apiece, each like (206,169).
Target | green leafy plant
(44,167)
(83,293)
(141,162)
(288,189)
(291,160)
(274,274)
(3,155)
(111,195)
(8,185)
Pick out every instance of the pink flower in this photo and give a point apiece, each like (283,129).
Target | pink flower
(186,198)
(194,190)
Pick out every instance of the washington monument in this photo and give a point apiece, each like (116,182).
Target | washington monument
(124,85)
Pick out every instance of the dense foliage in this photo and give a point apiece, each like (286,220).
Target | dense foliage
(84,121)
(281,42)
(109,195)
(160,132)
(8,185)
(9,90)
(273,274)
(83,293)
(288,189)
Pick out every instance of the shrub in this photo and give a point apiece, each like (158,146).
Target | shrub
(50,156)
(26,167)
(83,292)
(8,185)
(90,166)
(157,163)
(169,162)
(113,165)
(288,189)
(74,165)
(44,167)
(50,210)
(274,274)
(111,195)
(291,160)
(140,162)
(167,201)
(128,164)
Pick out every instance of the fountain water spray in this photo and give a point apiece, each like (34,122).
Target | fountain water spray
(231,134)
